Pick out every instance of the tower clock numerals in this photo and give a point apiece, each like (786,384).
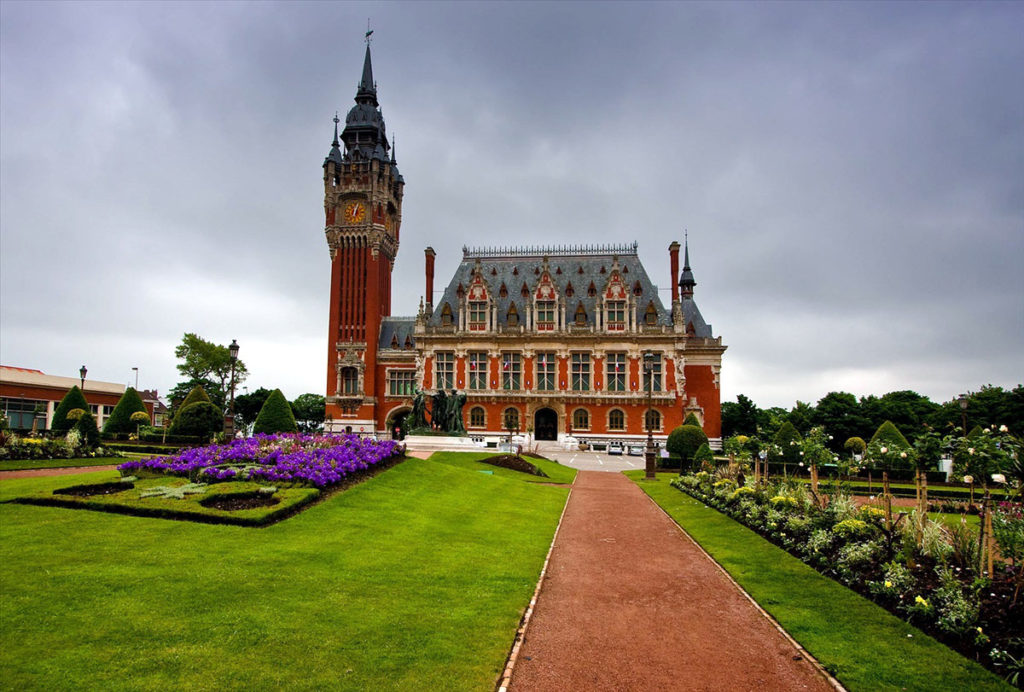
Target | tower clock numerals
(355,212)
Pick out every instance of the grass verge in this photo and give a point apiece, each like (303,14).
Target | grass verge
(471,460)
(27,464)
(860,643)
(414,579)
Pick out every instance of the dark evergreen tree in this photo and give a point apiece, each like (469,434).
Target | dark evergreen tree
(309,412)
(72,400)
(247,406)
(739,418)
(789,453)
(889,435)
(199,419)
(120,420)
(703,458)
(840,415)
(801,416)
(88,433)
(276,416)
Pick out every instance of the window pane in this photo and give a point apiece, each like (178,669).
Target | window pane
(477,370)
(445,370)
(546,364)
(581,372)
(511,371)
(615,377)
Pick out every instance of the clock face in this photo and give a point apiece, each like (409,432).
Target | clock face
(355,212)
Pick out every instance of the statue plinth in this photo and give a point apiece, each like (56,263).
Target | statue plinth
(440,443)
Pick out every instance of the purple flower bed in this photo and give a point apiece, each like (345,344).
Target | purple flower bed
(319,460)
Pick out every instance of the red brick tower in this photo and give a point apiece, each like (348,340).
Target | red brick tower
(363,210)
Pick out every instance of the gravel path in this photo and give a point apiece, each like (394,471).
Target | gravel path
(630,603)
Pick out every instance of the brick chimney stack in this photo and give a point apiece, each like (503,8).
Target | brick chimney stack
(673,253)
(429,297)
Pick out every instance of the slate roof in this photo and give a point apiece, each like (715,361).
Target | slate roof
(579,267)
(397,329)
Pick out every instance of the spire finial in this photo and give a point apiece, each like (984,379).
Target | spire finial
(393,160)
(686,282)
(336,121)
(686,250)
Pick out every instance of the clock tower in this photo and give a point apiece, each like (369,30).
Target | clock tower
(363,212)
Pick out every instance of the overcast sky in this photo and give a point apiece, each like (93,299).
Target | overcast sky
(851,175)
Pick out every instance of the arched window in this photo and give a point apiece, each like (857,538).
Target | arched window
(349,381)
(652,420)
(616,419)
(580,419)
(477,417)
(511,418)
(446,315)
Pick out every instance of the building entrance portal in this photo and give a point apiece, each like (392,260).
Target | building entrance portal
(545,425)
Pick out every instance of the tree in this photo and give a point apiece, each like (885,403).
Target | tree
(704,458)
(309,412)
(801,416)
(180,392)
(739,418)
(855,445)
(205,360)
(120,420)
(247,407)
(691,419)
(199,419)
(683,442)
(787,443)
(840,415)
(276,416)
(88,433)
(769,420)
(140,418)
(72,400)
(888,434)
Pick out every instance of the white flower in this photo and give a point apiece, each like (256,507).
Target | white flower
(968,479)
(903,455)
(830,437)
(1003,428)
(970,450)
(998,478)
(884,450)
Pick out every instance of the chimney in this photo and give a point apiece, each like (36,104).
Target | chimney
(429,256)
(673,253)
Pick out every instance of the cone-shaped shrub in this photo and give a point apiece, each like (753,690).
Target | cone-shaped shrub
(684,441)
(200,419)
(691,419)
(88,433)
(196,395)
(890,435)
(974,432)
(703,457)
(276,416)
(72,400)
(120,420)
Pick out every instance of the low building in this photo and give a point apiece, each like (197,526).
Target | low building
(29,398)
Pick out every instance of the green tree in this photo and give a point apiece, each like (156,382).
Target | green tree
(195,395)
(889,434)
(840,415)
(180,392)
(72,400)
(703,458)
(769,421)
(683,442)
(247,407)
(691,419)
(787,444)
(309,412)
(88,433)
(199,419)
(739,418)
(120,420)
(205,360)
(855,445)
(801,416)
(276,416)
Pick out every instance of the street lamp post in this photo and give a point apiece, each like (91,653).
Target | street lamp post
(81,375)
(649,452)
(963,412)
(136,379)
(229,419)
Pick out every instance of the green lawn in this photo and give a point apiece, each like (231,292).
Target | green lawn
(471,460)
(23,464)
(414,579)
(863,645)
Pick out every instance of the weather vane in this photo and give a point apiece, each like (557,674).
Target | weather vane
(369,31)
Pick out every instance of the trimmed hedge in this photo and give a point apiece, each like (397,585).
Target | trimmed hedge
(684,441)
(276,416)
(72,400)
(120,418)
(890,435)
(201,419)
(691,419)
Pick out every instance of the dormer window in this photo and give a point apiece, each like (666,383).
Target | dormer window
(446,315)
(651,315)
(616,315)
(592,290)
(581,316)
(512,318)
(545,315)
(478,315)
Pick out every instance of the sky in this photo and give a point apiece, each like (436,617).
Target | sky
(851,176)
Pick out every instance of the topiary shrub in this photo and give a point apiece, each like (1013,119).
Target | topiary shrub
(88,433)
(195,396)
(276,416)
(855,445)
(120,420)
(691,419)
(200,419)
(684,441)
(889,434)
(704,458)
(72,400)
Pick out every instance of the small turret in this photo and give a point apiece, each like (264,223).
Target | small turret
(686,282)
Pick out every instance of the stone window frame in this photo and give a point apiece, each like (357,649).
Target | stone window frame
(350,380)
(408,377)
(513,413)
(658,374)
(580,371)
(549,361)
(511,371)
(622,414)
(581,419)
(482,423)
(612,378)
(444,378)
(479,374)
(615,315)
(658,419)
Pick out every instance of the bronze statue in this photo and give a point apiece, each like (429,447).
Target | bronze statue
(454,413)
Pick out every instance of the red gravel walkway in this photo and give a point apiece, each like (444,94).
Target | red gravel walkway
(629,603)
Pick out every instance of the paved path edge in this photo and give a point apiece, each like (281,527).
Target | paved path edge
(517,643)
(836,685)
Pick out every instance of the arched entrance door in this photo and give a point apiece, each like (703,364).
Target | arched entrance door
(545,425)
(397,424)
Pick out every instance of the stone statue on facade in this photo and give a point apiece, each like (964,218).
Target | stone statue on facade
(454,413)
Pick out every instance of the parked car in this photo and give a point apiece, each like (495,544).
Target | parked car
(615,448)
(636,450)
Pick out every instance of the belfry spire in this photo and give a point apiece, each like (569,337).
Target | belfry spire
(367,89)
(686,281)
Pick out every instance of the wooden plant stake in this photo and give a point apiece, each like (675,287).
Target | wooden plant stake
(983,535)
(990,539)
(887,500)
(814,478)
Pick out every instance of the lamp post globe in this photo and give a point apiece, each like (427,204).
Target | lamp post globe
(963,412)
(81,375)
